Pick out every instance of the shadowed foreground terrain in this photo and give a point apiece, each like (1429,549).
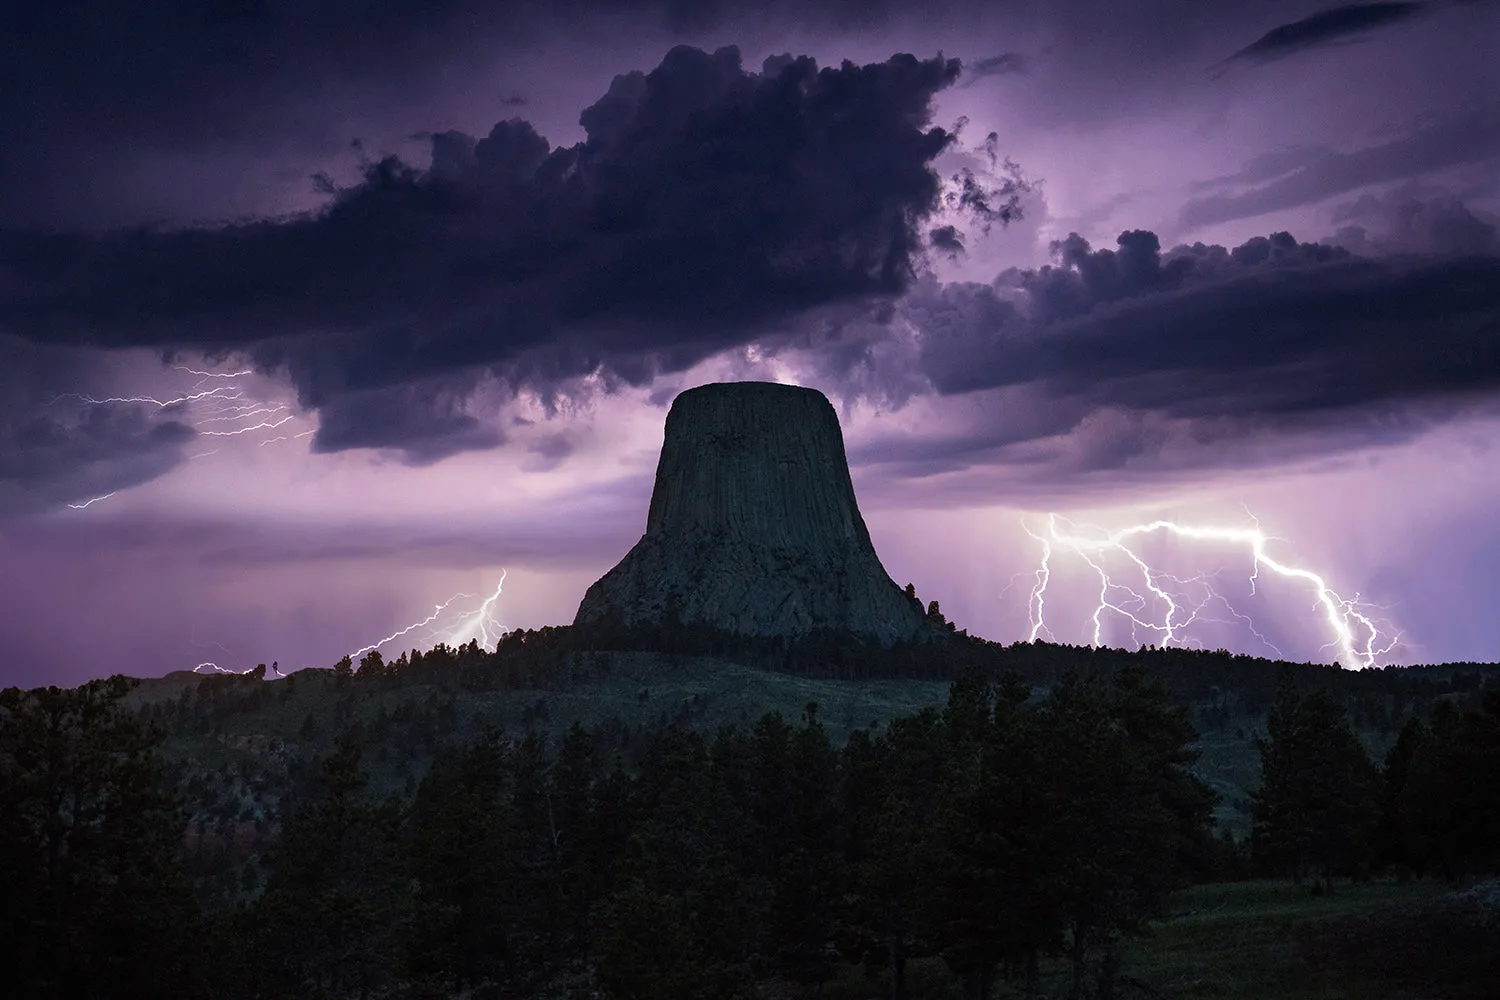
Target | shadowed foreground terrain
(682,813)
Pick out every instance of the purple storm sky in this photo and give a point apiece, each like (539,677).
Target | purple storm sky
(315,314)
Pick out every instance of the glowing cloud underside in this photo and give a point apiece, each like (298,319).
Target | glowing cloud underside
(1170,604)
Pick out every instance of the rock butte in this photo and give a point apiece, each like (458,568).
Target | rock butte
(753,526)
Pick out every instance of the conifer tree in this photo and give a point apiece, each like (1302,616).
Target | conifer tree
(336,908)
(1316,809)
(94,899)
(457,840)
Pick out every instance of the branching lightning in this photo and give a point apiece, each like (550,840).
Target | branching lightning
(217,405)
(481,624)
(447,624)
(1165,606)
(437,613)
(229,402)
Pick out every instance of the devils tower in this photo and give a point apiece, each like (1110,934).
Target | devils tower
(753,526)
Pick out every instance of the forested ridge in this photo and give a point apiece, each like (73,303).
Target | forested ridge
(684,814)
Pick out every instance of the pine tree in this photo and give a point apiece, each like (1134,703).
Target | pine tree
(95,900)
(896,781)
(336,907)
(457,846)
(1316,809)
(1399,835)
(683,920)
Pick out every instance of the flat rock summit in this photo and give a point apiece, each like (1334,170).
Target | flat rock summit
(753,526)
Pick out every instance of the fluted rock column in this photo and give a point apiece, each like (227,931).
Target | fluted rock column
(753,525)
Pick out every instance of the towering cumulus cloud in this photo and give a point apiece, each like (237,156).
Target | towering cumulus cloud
(706,200)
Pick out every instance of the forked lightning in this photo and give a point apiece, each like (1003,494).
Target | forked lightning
(1166,608)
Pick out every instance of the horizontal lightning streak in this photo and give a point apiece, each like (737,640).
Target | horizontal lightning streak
(223,392)
(194,371)
(263,425)
(225,670)
(92,500)
(226,403)
(238,413)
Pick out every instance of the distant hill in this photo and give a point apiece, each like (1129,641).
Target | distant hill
(240,745)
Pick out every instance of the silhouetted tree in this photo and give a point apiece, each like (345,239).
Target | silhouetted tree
(1400,841)
(93,897)
(371,666)
(457,843)
(336,909)
(1316,809)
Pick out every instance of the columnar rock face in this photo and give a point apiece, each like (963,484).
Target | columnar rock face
(753,525)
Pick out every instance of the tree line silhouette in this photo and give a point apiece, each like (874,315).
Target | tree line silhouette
(1023,822)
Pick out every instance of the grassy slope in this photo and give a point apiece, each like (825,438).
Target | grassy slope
(1263,939)
(1271,941)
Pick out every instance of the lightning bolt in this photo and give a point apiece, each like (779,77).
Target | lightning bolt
(1165,613)
(208,375)
(481,624)
(1037,603)
(215,399)
(275,668)
(223,392)
(215,667)
(263,425)
(92,500)
(436,614)
(238,413)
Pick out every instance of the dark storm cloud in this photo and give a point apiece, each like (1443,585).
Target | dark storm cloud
(1327,27)
(1306,175)
(183,111)
(706,201)
(81,74)
(57,449)
(427,422)
(1402,222)
(1271,336)
(553,447)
